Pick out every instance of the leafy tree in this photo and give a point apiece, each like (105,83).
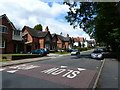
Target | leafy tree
(38,27)
(99,19)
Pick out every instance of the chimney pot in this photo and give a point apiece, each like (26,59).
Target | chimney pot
(47,29)
(67,35)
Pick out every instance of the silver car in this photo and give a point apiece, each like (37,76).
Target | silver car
(75,52)
(97,54)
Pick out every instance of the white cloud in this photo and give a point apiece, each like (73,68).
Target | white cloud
(32,12)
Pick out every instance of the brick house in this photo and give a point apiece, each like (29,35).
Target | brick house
(79,41)
(90,43)
(64,42)
(10,37)
(35,39)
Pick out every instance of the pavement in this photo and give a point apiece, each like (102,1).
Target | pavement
(109,75)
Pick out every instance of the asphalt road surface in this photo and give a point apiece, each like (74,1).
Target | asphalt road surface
(61,72)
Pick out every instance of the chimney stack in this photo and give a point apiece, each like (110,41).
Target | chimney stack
(67,35)
(47,29)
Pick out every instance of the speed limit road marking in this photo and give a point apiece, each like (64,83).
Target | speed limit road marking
(63,75)
(57,71)
(71,77)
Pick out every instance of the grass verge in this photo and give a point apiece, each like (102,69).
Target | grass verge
(4,60)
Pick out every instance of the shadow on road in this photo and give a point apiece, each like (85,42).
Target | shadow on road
(109,55)
(81,56)
(106,55)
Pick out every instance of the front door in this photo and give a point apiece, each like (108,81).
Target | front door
(29,48)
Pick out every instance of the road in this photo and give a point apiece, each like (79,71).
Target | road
(61,72)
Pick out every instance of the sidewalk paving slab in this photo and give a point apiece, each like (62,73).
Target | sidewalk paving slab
(109,76)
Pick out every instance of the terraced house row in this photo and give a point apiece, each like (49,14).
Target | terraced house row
(28,39)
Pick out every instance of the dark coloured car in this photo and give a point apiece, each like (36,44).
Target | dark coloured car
(39,51)
(69,50)
(46,50)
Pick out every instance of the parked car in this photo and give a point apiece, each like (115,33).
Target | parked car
(39,51)
(102,49)
(97,54)
(61,50)
(75,52)
(46,50)
(69,50)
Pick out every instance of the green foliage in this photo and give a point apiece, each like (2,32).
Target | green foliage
(4,60)
(38,27)
(61,53)
(52,51)
(99,19)
(4,57)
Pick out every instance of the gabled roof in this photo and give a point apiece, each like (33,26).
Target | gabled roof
(53,35)
(64,39)
(4,16)
(78,39)
(35,33)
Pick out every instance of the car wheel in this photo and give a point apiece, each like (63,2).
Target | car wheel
(102,58)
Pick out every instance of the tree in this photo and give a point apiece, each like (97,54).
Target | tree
(99,19)
(38,27)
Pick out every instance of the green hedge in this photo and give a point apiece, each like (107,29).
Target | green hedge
(52,51)
(83,49)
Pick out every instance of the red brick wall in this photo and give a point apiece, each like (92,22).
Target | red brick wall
(29,36)
(9,47)
(42,42)
(35,41)
(59,43)
(7,37)
(67,45)
(10,29)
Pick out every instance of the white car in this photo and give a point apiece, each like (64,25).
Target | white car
(75,52)
(97,54)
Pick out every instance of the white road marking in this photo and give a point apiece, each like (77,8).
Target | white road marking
(15,67)
(69,73)
(12,71)
(63,66)
(1,69)
(24,67)
(81,69)
(28,67)
(60,55)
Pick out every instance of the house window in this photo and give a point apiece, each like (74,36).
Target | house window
(2,43)
(3,29)
(16,32)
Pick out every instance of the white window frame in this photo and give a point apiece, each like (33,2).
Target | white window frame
(2,44)
(6,31)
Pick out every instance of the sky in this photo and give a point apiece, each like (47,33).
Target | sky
(44,12)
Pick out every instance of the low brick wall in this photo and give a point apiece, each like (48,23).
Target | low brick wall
(17,57)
